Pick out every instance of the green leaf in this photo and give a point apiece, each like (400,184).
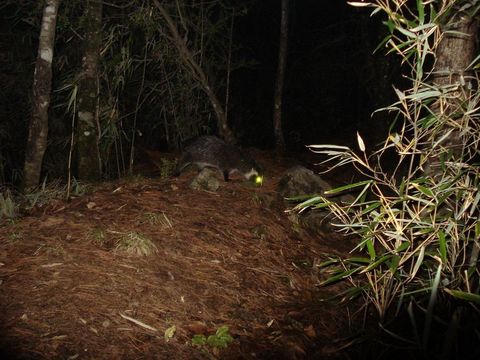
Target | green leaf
(433,14)
(301,197)
(421,11)
(322,205)
(221,339)
(393,264)
(390,25)
(462,295)
(424,190)
(401,188)
(328,263)
(371,249)
(308,202)
(348,187)
(199,340)
(358,260)
(376,263)
(382,43)
(403,246)
(338,277)
(442,246)
(351,293)
(222,331)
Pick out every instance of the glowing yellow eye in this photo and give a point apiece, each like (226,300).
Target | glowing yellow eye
(259,180)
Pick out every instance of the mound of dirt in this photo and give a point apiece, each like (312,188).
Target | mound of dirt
(229,258)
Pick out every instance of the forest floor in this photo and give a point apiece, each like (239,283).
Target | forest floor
(230,258)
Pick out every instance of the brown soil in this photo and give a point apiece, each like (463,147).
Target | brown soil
(226,258)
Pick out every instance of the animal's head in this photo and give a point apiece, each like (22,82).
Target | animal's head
(250,169)
(255,175)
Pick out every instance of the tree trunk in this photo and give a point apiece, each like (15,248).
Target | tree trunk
(42,83)
(280,80)
(189,60)
(455,52)
(88,158)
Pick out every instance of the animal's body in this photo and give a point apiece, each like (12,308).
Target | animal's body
(212,152)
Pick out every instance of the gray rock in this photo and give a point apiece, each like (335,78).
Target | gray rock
(205,180)
(299,180)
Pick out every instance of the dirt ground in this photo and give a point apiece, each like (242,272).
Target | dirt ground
(230,258)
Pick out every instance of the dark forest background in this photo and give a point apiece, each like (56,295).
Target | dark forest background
(332,85)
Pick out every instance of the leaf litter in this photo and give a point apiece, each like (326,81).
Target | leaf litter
(68,291)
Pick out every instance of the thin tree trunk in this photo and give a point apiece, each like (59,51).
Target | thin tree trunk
(88,158)
(280,80)
(42,83)
(189,60)
(455,52)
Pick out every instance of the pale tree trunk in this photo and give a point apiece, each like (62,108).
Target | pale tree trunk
(42,83)
(455,52)
(189,60)
(88,158)
(280,80)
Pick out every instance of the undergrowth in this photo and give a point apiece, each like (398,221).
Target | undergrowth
(418,224)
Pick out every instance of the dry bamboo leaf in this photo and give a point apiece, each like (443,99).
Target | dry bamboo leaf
(139,323)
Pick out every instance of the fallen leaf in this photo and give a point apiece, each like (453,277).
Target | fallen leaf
(310,331)
(170,332)
(52,221)
(296,315)
(197,328)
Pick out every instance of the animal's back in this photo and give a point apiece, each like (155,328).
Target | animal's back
(210,151)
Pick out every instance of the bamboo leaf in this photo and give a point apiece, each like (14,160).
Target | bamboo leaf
(419,262)
(339,277)
(403,246)
(475,204)
(406,32)
(376,263)
(442,242)
(462,295)
(361,143)
(431,305)
(394,264)
(308,203)
(359,3)
(359,259)
(433,14)
(423,27)
(421,11)
(371,249)
(401,188)
(323,146)
(347,187)
(328,263)
(301,197)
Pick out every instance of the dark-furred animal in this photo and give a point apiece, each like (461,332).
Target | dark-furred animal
(212,152)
